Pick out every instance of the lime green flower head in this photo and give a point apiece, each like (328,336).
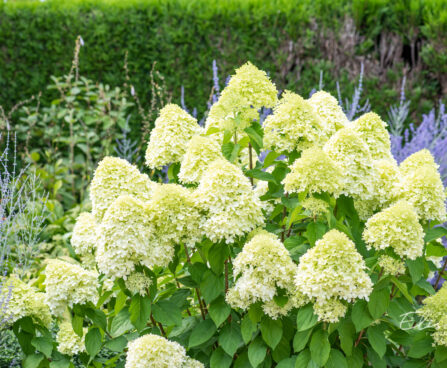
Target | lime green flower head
(232,207)
(114,177)
(351,153)
(329,111)
(22,300)
(416,161)
(329,310)
(314,172)
(200,153)
(67,284)
(294,124)
(391,266)
(333,270)
(138,282)
(396,227)
(372,129)
(315,206)
(434,311)
(83,238)
(69,343)
(174,128)
(263,266)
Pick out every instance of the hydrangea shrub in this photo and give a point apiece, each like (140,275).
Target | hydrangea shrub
(298,242)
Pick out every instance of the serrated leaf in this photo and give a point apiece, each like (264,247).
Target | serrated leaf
(360,315)
(379,300)
(211,286)
(219,310)
(248,328)
(306,318)
(219,359)
(117,345)
(416,269)
(336,360)
(271,331)
(203,331)
(230,338)
(121,323)
(435,233)
(257,351)
(217,255)
(32,360)
(167,313)
(43,344)
(376,338)
(435,250)
(320,347)
(93,342)
(140,311)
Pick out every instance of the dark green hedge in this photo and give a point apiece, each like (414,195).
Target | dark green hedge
(289,38)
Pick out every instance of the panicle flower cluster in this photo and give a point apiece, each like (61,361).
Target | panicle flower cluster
(67,284)
(201,151)
(175,215)
(397,227)
(69,342)
(315,206)
(333,270)
(247,91)
(84,235)
(434,311)
(314,172)
(173,129)
(421,185)
(263,267)
(127,236)
(114,177)
(138,282)
(391,266)
(23,301)
(329,111)
(349,151)
(294,125)
(329,310)
(372,129)
(157,352)
(232,207)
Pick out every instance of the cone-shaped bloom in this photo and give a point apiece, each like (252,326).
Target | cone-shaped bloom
(232,207)
(127,237)
(69,343)
(22,300)
(114,177)
(434,311)
(174,128)
(200,153)
(396,227)
(157,352)
(391,266)
(138,282)
(314,172)
(315,206)
(329,111)
(83,239)
(263,267)
(417,160)
(333,270)
(67,284)
(372,129)
(175,215)
(294,124)
(247,91)
(348,150)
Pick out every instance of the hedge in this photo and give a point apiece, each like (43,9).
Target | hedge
(291,39)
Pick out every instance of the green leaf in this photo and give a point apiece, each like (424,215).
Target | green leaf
(360,315)
(217,255)
(211,286)
(270,158)
(230,151)
(435,250)
(346,331)
(167,313)
(303,359)
(271,331)
(336,360)
(420,348)
(355,360)
(375,359)
(117,345)
(306,318)
(77,323)
(287,363)
(282,350)
(120,301)
(98,317)
(219,359)
(379,300)
(33,360)
(248,328)
(63,362)
(255,137)
(43,344)
(121,323)
(255,312)
(320,347)
(376,338)
(300,340)
(402,288)
(93,342)
(435,233)
(426,286)
(257,351)
(140,311)
(315,231)
(202,333)
(440,354)
(219,310)
(416,268)
(260,175)
(230,338)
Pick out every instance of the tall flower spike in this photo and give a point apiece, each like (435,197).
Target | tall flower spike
(83,239)
(329,111)
(23,300)
(200,153)
(114,177)
(233,208)
(352,154)
(157,352)
(372,129)
(127,237)
(174,128)
(333,270)
(69,343)
(293,125)
(264,265)
(67,284)
(314,172)
(396,227)
(247,91)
